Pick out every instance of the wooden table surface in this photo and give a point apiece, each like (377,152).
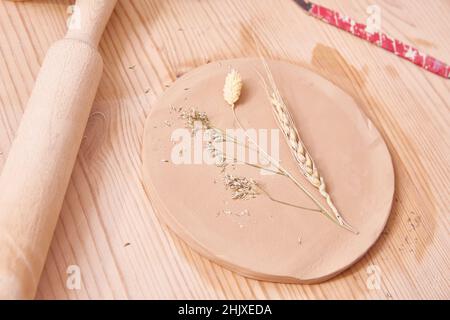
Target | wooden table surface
(107,226)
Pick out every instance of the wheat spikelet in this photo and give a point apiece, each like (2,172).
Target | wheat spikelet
(298,149)
(293,139)
(233,87)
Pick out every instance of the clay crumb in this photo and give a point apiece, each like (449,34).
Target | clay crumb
(243,213)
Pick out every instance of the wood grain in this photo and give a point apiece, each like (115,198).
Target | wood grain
(39,165)
(107,226)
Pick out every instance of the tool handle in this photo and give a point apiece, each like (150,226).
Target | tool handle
(89,19)
(40,161)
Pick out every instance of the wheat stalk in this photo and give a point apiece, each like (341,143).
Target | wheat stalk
(297,147)
(232,88)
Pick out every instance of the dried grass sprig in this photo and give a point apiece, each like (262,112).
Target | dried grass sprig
(232,88)
(194,119)
(243,188)
(297,147)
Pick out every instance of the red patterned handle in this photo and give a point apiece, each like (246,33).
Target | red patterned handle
(380,39)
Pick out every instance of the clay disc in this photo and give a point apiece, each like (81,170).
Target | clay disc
(258,237)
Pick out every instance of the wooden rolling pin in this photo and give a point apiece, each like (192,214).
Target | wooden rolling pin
(40,162)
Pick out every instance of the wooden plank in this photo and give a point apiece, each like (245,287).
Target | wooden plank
(107,226)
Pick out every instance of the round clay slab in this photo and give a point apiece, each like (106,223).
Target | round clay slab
(258,237)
